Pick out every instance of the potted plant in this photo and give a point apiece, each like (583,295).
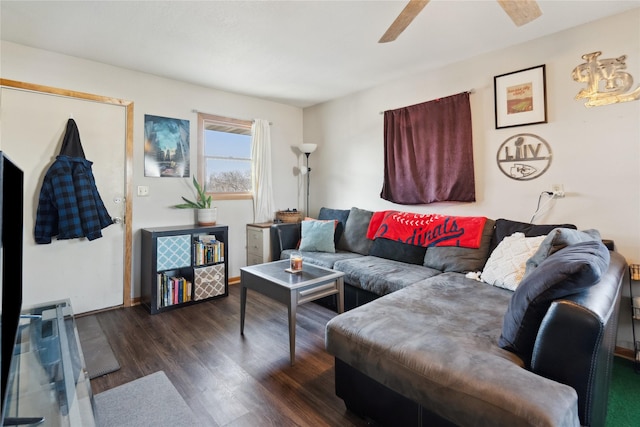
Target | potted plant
(205,213)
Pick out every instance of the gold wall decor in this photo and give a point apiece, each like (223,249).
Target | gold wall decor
(606,82)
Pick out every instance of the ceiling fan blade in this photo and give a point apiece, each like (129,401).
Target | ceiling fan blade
(521,11)
(403,20)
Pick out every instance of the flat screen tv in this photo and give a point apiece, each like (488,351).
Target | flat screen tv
(11,226)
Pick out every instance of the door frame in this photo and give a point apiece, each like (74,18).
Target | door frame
(127,299)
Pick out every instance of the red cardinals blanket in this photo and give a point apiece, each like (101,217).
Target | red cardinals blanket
(427,229)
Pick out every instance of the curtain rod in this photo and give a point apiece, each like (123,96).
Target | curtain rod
(234,118)
(470,91)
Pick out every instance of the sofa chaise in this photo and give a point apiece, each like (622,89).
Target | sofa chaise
(424,342)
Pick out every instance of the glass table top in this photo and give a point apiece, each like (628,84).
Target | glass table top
(276,272)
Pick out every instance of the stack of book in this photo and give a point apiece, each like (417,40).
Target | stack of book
(173,290)
(208,250)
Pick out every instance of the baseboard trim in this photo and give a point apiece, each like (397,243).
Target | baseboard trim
(626,353)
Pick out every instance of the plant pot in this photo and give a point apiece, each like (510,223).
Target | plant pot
(207,216)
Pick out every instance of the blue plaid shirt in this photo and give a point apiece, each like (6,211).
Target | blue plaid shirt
(69,205)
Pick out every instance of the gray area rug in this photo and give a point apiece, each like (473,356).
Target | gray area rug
(98,355)
(147,401)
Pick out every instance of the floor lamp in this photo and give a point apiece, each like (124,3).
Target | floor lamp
(307,149)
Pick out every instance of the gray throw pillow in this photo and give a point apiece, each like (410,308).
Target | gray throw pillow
(461,260)
(354,238)
(566,272)
(557,239)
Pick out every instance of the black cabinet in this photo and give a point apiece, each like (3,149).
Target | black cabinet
(183,265)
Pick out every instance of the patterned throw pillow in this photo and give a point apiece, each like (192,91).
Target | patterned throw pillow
(507,263)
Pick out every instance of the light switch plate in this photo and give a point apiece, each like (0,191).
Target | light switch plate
(143,190)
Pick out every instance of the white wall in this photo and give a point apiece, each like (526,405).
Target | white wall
(169,98)
(596,151)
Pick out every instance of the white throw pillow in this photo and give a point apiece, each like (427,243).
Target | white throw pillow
(507,263)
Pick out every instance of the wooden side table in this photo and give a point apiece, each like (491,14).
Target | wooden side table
(258,243)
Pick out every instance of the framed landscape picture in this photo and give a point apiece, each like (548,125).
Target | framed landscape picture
(521,97)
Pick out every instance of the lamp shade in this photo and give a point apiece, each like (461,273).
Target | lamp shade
(308,148)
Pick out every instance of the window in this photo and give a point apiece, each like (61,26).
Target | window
(224,163)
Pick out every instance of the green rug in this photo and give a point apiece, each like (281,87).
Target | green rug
(624,395)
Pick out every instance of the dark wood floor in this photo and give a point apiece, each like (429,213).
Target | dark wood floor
(228,379)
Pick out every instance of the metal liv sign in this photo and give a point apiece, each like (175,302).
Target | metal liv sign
(524,156)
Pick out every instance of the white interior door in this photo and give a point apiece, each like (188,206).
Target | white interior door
(32,125)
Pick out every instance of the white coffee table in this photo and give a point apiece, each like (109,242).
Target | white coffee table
(291,289)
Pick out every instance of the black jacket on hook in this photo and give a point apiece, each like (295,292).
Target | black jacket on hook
(71,145)
(69,205)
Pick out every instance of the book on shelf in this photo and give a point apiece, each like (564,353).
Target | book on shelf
(173,290)
(208,249)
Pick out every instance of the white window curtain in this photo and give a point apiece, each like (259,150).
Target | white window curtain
(263,204)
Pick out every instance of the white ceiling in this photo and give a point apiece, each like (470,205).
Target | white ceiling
(295,52)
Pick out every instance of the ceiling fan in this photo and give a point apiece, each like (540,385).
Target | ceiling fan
(520,11)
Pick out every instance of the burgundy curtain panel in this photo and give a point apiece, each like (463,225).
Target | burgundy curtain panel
(428,152)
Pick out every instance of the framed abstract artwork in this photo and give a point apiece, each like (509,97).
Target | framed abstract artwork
(521,97)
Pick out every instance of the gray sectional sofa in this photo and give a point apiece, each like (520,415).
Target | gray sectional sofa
(424,344)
